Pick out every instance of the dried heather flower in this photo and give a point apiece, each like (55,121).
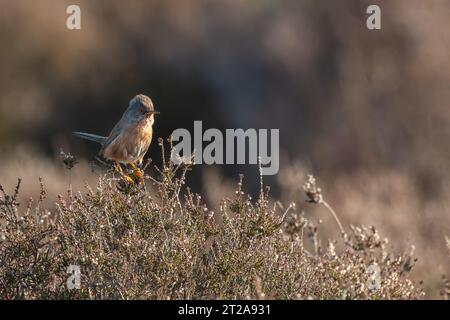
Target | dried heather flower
(313,193)
(69,160)
(446,288)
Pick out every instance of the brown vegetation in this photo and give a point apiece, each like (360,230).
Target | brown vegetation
(167,244)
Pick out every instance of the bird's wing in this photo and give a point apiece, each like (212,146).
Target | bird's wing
(115,132)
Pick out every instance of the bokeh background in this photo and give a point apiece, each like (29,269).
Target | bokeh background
(367,112)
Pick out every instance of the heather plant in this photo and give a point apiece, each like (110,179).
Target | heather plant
(161,241)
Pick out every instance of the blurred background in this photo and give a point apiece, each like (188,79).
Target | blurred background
(367,112)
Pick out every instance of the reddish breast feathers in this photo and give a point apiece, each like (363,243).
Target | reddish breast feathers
(131,144)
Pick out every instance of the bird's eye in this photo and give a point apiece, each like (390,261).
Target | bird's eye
(142,110)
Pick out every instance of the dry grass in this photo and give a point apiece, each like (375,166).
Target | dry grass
(166,244)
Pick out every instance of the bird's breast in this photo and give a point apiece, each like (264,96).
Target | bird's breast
(142,138)
(131,144)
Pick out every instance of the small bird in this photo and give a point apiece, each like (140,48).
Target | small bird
(130,138)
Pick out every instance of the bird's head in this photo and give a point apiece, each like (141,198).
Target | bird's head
(141,108)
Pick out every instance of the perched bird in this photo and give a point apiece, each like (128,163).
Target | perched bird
(130,138)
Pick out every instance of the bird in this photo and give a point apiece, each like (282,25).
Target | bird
(130,138)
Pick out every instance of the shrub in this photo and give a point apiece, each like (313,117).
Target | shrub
(164,243)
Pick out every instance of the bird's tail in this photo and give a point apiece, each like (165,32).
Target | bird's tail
(90,137)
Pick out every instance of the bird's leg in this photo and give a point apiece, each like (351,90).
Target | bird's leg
(137,172)
(126,178)
(133,166)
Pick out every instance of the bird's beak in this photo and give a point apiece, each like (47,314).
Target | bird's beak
(154,112)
